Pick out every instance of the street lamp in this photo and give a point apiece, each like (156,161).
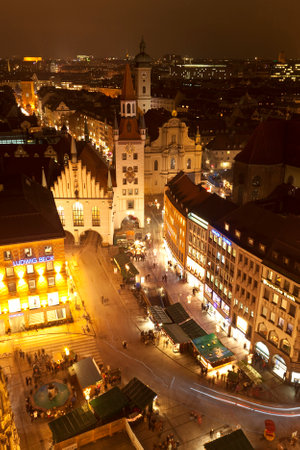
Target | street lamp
(148,220)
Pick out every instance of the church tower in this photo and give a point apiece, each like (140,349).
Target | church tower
(143,79)
(129,141)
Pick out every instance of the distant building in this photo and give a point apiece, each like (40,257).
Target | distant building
(271,157)
(170,153)
(220,152)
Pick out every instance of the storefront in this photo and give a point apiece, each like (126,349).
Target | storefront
(295,377)
(262,350)
(211,353)
(279,366)
(16,322)
(172,261)
(213,303)
(195,273)
(239,332)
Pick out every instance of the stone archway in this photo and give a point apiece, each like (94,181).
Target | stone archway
(90,237)
(262,350)
(69,240)
(279,366)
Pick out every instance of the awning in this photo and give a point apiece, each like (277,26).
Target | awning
(75,422)
(233,441)
(125,266)
(211,348)
(192,329)
(159,315)
(175,333)
(251,373)
(87,372)
(139,394)
(177,313)
(109,406)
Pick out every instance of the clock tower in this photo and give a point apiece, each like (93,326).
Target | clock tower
(143,79)
(129,143)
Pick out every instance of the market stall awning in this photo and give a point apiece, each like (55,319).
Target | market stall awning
(138,393)
(192,329)
(177,313)
(251,373)
(233,441)
(124,264)
(109,406)
(87,372)
(175,333)
(211,348)
(75,422)
(159,315)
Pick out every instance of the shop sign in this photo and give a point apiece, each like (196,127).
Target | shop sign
(16,315)
(198,220)
(241,324)
(224,239)
(207,290)
(225,308)
(216,299)
(41,259)
(277,289)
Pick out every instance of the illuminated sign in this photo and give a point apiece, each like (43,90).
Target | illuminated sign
(41,259)
(32,58)
(208,290)
(277,289)
(198,220)
(224,239)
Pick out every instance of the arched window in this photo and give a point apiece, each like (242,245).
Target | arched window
(123,108)
(262,329)
(61,213)
(273,337)
(285,346)
(133,108)
(78,215)
(189,164)
(156,165)
(144,89)
(128,108)
(256,181)
(95,216)
(172,164)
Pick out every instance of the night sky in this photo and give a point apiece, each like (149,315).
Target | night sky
(202,28)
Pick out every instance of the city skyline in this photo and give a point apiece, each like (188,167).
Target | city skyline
(230,30)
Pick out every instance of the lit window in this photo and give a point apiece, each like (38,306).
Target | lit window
(136,192)
(189,164)
(95,216)
(30,268)
(130,204)
(61,214)
(48,250)
(53,298)
(262,247)
(34,301)
(124,156)
(9,271)
(28,252)
(78,215)
(49,265)
(135,156)
(250,241)
(14,305)
(130,191)
(172,164)
(31,284)
(227,226)
(51,281)
(124,191)
(238,234)
(7,255)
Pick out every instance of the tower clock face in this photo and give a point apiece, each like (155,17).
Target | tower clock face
(129,149)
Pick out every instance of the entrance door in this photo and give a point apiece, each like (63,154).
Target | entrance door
(17,322)
(279,366)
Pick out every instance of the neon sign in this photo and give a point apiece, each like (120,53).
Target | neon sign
(216,233)
(41,259)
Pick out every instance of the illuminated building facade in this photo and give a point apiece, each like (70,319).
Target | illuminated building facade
(9,438)
(245,263)
(34,288)
(170,153)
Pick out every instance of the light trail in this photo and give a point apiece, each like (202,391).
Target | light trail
(252,406)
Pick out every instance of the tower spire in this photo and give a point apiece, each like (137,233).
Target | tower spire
(127,88)
(73,151)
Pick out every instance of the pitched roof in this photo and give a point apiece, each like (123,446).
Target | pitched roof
(110,405)
(213,208)
(93,162)
(211,348)
(177,313)
(138,393)
(233,441)
(23,201)
(273,142)
(127,88)
(175,333)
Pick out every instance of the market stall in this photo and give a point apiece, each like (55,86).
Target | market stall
(211,353)
(177,336)
(251,373)
(177,313)
(88,375)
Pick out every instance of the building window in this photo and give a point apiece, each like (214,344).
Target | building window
(296,291)
(289,329)
(49,265)
(283,303)
(292,310)
(51,281)
(124,191)
(34,301)
(250,241)
(262,248)
(124,181)
(48,250)
(136,192)
(144,89)
(9,271)
(156,165)
(78,215)
(266,294)
(28,252)
(61,214)
(272,317)
(130,191)
(135,156)
(136,181)
(135,168)
(124,156)
(7,255)
(275,299)
(280,323)
(237,233)
(256,181)
(30,268)
(264,311)
(273,337)
(172,164)
(128,108)
(226,226)
(11,286)
(270,275)
(31,284)
(286,286)
(130,204)
(53,298)
(14,305)
(124,169)
(189,164)
(285,346)
(95,216)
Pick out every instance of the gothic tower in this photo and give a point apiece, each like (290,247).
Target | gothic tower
(143,79)
(129,141)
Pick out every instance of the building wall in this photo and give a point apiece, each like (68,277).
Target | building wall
(40,274)
(166,103)
(175,231)
(143,88)
(76,189)
(171,152)
(9,435)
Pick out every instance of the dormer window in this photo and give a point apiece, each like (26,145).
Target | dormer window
(275,255)
(250,241)
(226,226)
(286,260)
(262,248)
(238,234)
